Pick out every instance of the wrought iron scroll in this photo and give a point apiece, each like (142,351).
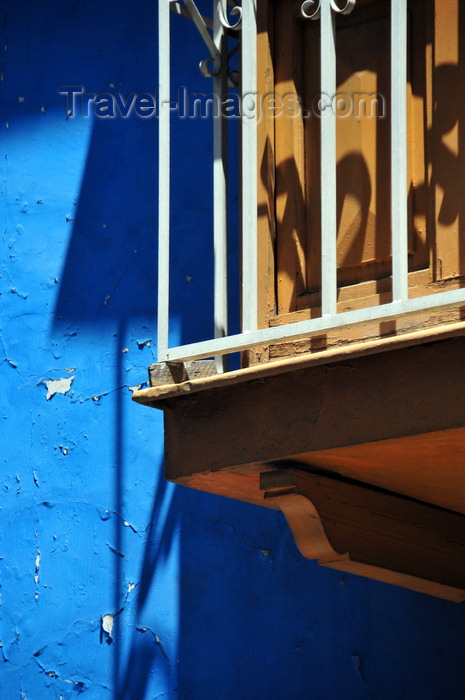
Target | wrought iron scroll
(236,10)
(213,65)
(311,9)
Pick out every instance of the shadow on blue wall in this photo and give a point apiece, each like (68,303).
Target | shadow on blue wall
(108,284)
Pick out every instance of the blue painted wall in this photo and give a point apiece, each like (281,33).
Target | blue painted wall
(210,598)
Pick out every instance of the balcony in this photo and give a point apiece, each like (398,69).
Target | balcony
(346,412)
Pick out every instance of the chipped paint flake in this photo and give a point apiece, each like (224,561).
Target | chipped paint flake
(130,526)
(157,640)
(358,665)
(107,624)
(37,569)
(136,387)
(58,386)
(115,551)
(21,295)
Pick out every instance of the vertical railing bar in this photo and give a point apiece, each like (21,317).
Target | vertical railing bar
(249,165)
(163,178)
(220,198)
(328,161)
(399,194)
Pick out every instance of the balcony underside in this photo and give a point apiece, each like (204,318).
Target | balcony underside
(364,455)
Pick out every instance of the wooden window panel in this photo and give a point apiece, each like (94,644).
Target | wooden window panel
(290,160)
(448,166)
(363,149)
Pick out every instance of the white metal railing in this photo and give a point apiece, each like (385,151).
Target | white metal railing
(217,68)
(222,343)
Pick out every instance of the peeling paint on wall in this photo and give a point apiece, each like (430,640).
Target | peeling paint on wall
(107,625)
(156,640)
(58,386)
(37,567)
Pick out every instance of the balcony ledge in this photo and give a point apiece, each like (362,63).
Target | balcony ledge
(155,395)
(369,436)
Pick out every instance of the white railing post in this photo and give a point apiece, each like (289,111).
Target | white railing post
(250,107)
(163,177)
(328,160)
(399,193)
(220,195)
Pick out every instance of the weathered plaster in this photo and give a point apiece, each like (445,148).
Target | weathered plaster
(58,386)
(209,598)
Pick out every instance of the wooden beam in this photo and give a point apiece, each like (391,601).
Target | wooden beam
(389,395)
(163,373)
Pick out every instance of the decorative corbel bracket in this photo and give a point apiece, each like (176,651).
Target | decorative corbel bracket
(371,532)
